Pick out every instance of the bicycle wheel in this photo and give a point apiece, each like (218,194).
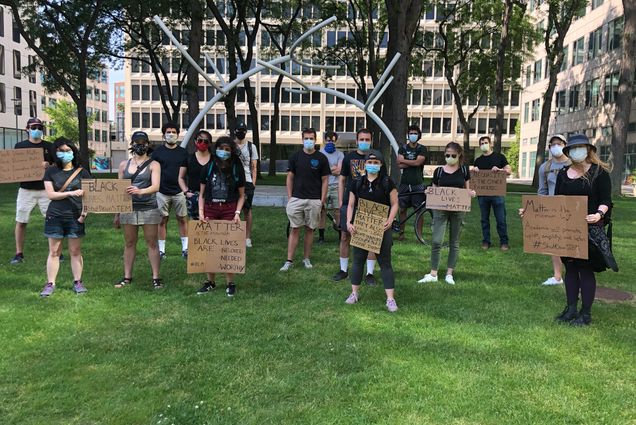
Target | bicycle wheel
(423,226)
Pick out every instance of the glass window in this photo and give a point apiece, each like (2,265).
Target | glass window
(135,120)
(536,109)
(295,123)
(145,92)
(537,70)
(592,90)
(1,59)
(564,65)
(574,98)
(145,119)
(437,97)
(512,125)
(615,33)
(578,51)
(220,122)
(17,65)
(594,44)
(611,88)
(426,125)
(560,102)
(426,97)
(596,3)
(482,124)
(135,93)
(284,123)
(446,125)
(436,125)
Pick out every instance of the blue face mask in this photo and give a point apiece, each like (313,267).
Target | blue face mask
(65,157)
(308,144)
(364,146)
(35,134)
(372,168)
(330,147)
(223,155)
(413,138)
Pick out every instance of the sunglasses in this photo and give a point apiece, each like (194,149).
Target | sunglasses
(451,155)
(36,127)
(206,141)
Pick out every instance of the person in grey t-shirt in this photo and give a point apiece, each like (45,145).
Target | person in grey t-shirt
(335,158)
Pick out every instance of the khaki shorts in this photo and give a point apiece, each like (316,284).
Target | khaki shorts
(27,200)
(304,212)
(332,197)
(178,202)
(139,218)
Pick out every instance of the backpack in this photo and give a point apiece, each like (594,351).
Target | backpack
(548,165)
(236,179)
(438,172)
(384,184)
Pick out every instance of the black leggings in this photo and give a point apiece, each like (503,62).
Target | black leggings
(581,278)
(384,260)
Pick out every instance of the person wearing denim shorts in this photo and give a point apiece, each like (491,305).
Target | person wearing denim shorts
(64,216)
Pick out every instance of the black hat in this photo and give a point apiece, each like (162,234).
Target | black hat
(374,154)
(578,140)
(139,135)
(34,120)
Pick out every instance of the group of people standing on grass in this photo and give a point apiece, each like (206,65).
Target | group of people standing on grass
(219,185)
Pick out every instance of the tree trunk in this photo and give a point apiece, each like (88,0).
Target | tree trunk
(273,128)
(194,49)
(499,81)
(254,119)
(82,121)
(624,98)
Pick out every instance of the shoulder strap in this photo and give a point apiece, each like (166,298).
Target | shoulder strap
(211,166)
(140,169)
(465,171)
(439,172)
(546,170)
(249,149)
(70,179)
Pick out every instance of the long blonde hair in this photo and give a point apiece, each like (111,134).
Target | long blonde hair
(592,158)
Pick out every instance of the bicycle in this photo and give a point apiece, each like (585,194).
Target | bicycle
(423,232)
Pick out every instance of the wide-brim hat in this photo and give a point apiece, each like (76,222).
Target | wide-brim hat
(374,154)
(578,140)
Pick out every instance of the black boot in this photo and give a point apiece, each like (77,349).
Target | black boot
(584,319)
(569,313)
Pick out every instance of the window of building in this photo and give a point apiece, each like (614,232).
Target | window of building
(512,125)
(524,164)
(594,43)
(145,119)
(1,59)
(482,126)
(17,100)
(446,125)
(436,125)
(536,109)
(615,33)
(33,103)
(156,120)
(611,88)
(17,65)
(437,97)
(135,93)
(3,98)
(448,97)
(596,3)
(514,98)
(578,51)
(97,136)
(560,102)
(1,22)
(145,92)
(566,58)
(427,97)
(427,68)
(16,31)
(265,95)
(574,98)
(528,75)
(592,90)
(526,112)
(135,120)
(538,70)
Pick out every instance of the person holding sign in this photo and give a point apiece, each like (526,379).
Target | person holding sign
(495,161)
(453,174)
(31,193)
(64,217)
(547,183)
(587,176)
(196,162)
(377,187)
(221,196)
(145,177)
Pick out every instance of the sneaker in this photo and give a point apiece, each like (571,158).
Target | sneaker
(584,319)
(19,258)
(78,287)
(288,265)
(162,255)
(207,287)
(157,284)
(552,281)
(341,275)
(307,263)
(47,290)
(449,279)
(391,305)
(568,314)
(505,247)
(369,279)
(184,254)
(352,299)
(248,243)
(428,278)
(62,258)
(485,246)
(230,290)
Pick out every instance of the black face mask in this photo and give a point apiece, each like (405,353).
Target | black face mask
(240,134)
(139,149)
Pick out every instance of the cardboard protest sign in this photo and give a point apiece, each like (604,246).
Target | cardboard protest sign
(369,223)
(555,225)
(216,246)
(21,165)
(488,182)
(448,199)
(106,196)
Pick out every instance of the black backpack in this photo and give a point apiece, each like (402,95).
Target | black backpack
(385,185)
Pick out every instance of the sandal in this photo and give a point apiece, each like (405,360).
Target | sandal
(157,284)
(123,282)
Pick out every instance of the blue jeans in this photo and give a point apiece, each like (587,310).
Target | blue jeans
(498,204)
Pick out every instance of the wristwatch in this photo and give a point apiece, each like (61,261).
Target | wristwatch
(601,213)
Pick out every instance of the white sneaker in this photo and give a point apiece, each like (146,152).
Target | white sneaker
(288,265)
(248,243)
(428,278)
(449,279)
(553,281)
(307,263)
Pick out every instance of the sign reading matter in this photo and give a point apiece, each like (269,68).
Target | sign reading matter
(488,182)
(369,224)
(555,225)
(21,165)
(448,199)
(106,196)
(216,247)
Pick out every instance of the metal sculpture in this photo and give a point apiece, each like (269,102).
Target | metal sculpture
(223,87)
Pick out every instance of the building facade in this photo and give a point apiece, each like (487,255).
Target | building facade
(586,87)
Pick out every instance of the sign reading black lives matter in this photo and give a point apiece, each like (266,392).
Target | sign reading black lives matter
(369,223)
(217,246)
(555,225)
(448,199)
(106,196)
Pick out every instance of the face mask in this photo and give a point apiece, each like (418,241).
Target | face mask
(556,150)
(364,146)
(330,147)
(35,134)
(452,161)
(201,146)
(578,154)
(222,155)
(139,149)
(485,148)
(372,168)
(171,138)
(413,138)
(308,144)
(240,134)
(65,157)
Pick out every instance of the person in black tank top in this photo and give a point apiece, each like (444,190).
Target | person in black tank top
(196,162)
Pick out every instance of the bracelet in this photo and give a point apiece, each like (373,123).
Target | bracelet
(601,213)
(237,212)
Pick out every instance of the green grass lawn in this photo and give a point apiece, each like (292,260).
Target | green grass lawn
(287,350)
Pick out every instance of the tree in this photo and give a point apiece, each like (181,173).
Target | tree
(69,39)
(561,13)
(515,147)
(625,95)
(196,14)
(64,121)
